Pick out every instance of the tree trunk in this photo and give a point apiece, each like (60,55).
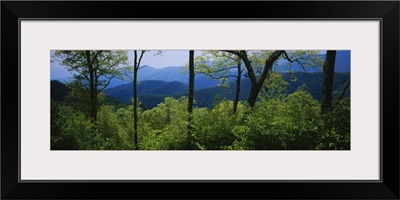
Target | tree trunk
(235,103)
(190,99)
(253,95)
(191,81)
(92,88)
(135,117)
(341,96)
(256,84)
(344,91)
(136,67)
(329,68)
(135,103)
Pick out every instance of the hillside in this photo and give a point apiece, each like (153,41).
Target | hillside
(125,92)
(313,82)
(151,93)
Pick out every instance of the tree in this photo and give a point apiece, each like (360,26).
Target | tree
(256,81)
(58,90)
(94,69)
(327,82)
(259,63)
(275,86)
(190,97)
(220,69)
(136,66)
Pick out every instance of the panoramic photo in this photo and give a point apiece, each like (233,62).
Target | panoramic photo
(200,99)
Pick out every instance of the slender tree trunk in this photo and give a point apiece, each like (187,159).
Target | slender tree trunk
(329,68)
(136,67)
(135,103)
(92,88)
(190,99)
(344,91)
(96,92)
(235,103)
(341,96)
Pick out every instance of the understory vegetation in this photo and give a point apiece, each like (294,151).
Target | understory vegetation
(278,121)
(255,107)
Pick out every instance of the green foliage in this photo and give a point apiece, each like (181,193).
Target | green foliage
(305,58)
(286,117)
(109,100)
(58,90)
(78,97)
(275,86)
(290,122)
(93,70)
(165,126)
(107,64)
(258,59)
(217,99)
(313,81)
(111,128)
(213,128)
(72,130)
(336,132)
(217,65)
(205,97)
(277,124)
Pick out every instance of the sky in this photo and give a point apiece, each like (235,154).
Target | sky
(165,59)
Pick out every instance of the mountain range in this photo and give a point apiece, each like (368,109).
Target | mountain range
(156,84)
(151,92)
(175,73)
(124,92)
(342,64)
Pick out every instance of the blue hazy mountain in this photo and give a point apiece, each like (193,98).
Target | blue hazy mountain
(124,92)
(167,74)
(174,73)
(151,93)
(342,64)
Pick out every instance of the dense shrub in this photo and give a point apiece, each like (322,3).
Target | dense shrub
(277,122)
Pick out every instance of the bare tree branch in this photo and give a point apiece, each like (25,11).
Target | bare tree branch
(108,83)
(140,59)
(285,56)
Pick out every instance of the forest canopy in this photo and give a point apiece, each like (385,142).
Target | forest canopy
(249,100)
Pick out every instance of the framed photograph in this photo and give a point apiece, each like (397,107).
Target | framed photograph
(115,99)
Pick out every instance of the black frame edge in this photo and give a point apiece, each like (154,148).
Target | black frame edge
(10,188)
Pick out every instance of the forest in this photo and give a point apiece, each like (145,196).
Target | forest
(223,100)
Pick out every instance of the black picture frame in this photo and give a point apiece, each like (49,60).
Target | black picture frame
(386,11)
